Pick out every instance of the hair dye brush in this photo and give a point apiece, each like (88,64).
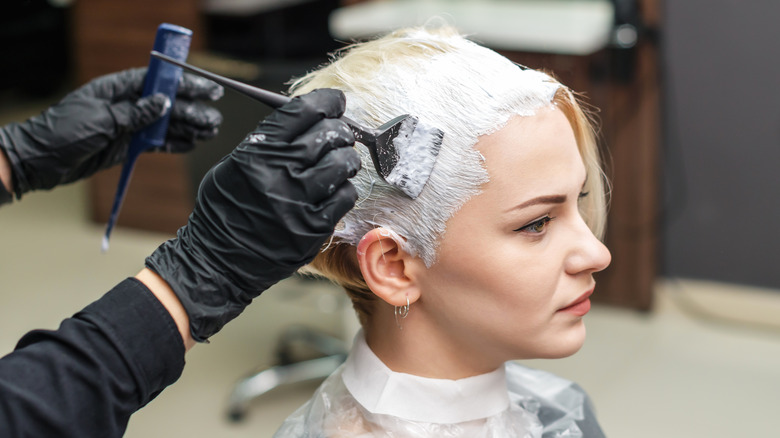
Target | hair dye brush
(403,150)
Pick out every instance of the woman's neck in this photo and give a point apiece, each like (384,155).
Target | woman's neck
(414,347)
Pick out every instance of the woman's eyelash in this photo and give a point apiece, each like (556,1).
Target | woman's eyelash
(536,226)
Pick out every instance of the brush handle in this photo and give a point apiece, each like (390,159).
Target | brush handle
(274,100)
(269,98)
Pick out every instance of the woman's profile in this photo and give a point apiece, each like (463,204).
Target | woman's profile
(491,263)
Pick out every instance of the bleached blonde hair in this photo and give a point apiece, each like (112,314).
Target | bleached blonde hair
(465,90)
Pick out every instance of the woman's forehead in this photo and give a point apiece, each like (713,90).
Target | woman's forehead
(533,153)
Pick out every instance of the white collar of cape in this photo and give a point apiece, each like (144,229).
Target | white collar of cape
(381,390)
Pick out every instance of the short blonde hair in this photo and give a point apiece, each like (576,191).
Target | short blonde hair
(463,89)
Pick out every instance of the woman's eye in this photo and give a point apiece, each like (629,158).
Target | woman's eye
(536,226)
(583,195)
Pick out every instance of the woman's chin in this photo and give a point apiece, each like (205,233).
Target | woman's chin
(568,344)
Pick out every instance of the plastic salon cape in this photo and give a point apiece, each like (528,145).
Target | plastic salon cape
(363,398)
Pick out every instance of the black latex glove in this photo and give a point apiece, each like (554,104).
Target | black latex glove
(262,212)
(90,128)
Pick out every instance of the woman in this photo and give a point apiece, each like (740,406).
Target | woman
(492,262)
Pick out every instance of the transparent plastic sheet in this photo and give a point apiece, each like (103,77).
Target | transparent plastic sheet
(543,406)
(561,405)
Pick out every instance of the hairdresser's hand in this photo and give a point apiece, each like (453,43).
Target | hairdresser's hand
(90,128)
(262,212)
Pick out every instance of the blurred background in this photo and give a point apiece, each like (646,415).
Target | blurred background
(684,340)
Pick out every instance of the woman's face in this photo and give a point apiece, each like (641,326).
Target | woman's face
(515,265)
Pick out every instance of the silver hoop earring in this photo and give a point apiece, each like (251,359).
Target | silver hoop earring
(402,312)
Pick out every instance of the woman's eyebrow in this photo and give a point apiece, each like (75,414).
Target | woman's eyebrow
(547,199)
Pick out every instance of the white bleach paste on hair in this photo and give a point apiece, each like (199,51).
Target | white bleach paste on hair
(447,82)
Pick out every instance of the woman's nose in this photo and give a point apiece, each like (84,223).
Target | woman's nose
(588,254)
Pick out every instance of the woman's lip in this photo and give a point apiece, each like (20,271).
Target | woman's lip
(580,306)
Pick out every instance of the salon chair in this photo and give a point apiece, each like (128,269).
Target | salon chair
(302,354)
(289,371)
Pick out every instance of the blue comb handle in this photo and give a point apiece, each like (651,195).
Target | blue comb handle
(161,77)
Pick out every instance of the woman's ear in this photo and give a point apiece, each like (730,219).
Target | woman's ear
(389,271)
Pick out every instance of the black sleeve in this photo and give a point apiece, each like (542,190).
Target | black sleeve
(86,378)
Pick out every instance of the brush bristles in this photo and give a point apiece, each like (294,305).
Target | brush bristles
(417,146)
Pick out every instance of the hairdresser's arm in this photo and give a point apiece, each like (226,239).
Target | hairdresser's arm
(90,130)
(261,213)
(168,299)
